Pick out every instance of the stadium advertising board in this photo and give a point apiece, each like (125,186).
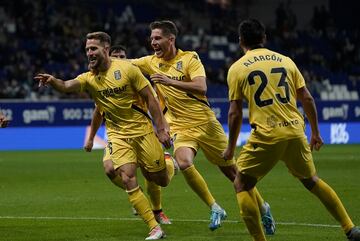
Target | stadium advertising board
(65,125)
(79,113)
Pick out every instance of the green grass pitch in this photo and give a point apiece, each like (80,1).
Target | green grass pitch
(65,196)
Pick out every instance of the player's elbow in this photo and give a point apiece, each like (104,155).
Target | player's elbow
(202,90)
(234,115)
(307,99)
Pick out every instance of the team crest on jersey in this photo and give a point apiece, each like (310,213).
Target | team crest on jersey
(179,65)
(271,121)
(117,75)
(161,65)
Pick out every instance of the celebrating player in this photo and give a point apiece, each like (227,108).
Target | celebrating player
(153,190)
(271,83)
(180,78)
(118,88)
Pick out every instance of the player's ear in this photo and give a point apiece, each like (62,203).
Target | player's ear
(172,39)
(107,49)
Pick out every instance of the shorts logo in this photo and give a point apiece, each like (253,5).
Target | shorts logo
(179,65)
(255,146)
(117,75)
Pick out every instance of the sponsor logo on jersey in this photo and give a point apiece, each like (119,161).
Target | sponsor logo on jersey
(180,78)
(112,91)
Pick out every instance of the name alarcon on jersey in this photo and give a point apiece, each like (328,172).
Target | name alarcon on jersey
(109,92)
(266,57)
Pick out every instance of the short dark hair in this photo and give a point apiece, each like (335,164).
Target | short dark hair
(117,47)
(168,27)
(101,36)
(251,32)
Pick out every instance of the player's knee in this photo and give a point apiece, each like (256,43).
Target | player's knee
(230,172)
(184,164)
(309,183)
(244,183)
(163,181)
(109,169)
(129,181)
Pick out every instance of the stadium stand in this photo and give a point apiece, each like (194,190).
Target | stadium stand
(48,36)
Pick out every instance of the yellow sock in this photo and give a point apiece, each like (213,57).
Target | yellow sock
(333,204)
(118,182)
(198,184)
(260,200)
(250,214)
(154,192)
(142,206)
(169,167)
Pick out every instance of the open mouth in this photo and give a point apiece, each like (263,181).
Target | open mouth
(157,51)
(92,60)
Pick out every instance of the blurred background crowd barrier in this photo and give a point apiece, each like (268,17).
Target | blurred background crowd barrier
(321,36)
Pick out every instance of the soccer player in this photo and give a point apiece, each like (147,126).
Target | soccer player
(180,78)
(271,83)
(153,190)
(3,121)
(117,87)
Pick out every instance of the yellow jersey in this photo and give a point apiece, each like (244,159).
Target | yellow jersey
(268,81)
(116,93)
(184,109)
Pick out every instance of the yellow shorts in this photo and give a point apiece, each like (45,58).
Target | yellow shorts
(144,151)
(210,137)
(257,159)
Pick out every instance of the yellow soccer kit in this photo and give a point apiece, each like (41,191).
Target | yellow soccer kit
(115,92)
(184,109)
(190,117)
(268,81)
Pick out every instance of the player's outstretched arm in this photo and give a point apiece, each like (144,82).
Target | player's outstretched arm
(196,86)
(94,127)
(58,84)
(3,121)
(234,122)
(308,103)
(162,127)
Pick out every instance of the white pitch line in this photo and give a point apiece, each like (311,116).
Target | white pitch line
(174,220)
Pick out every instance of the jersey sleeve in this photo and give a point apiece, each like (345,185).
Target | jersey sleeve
(82,78)
(233,84)
(299,80)
(143,64)
(196,68)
